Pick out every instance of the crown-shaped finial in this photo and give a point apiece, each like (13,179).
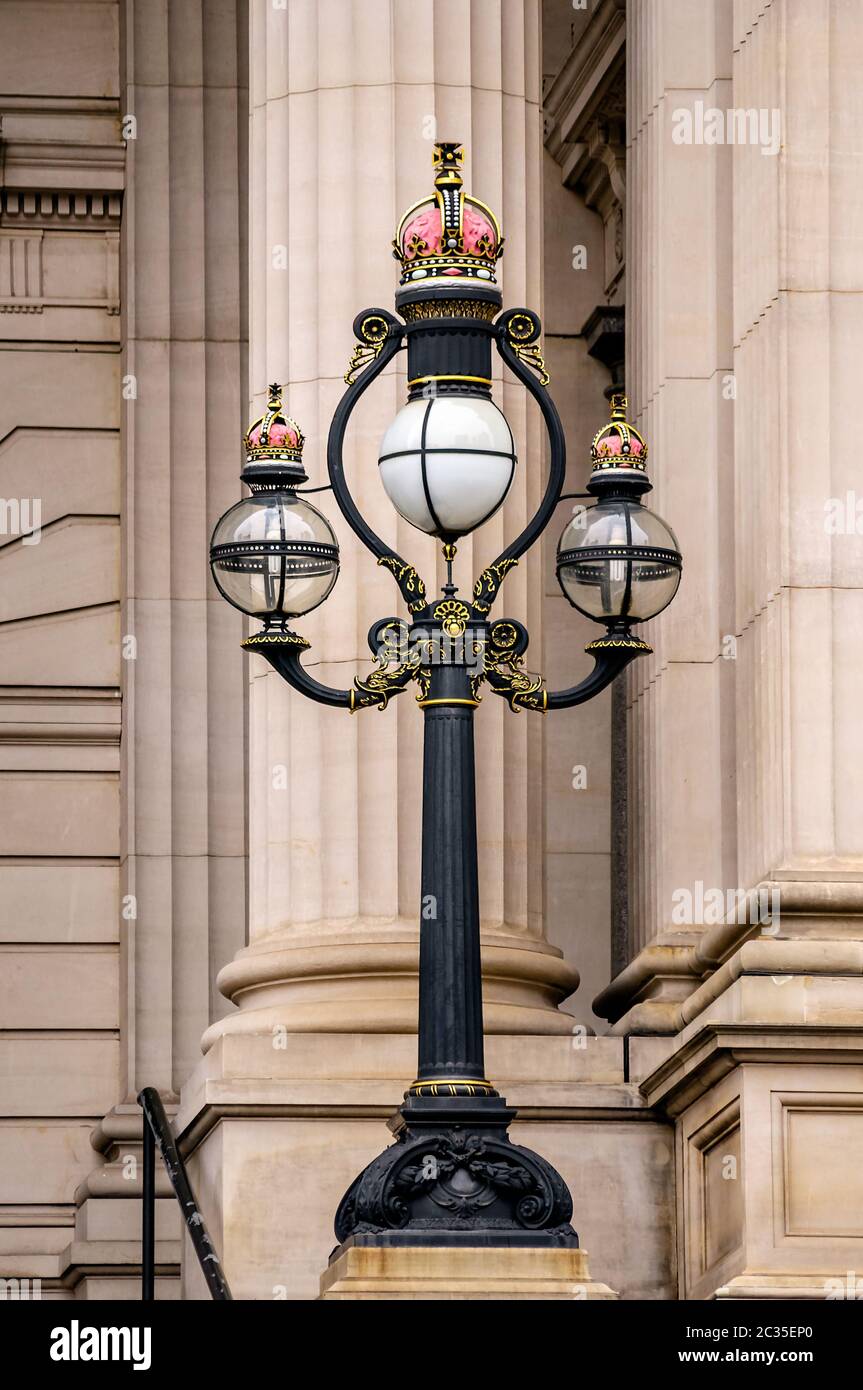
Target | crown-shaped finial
(274,447)
(449,236)
(618,444)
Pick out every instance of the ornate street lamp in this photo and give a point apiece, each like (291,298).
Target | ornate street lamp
(447,462)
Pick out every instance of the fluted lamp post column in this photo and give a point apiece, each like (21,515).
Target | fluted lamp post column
(452,1178)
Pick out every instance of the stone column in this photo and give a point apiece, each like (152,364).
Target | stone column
(741,729)
(746,296)
(346,103)
(182,847)
(681,799)
(584,104)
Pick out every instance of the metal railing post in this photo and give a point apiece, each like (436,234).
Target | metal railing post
(148,1217)
(158,1130)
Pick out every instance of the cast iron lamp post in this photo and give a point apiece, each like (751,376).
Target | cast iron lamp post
(446,462)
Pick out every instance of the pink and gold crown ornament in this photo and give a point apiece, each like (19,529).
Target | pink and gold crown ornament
(618,446)
(274,447)
(449,236)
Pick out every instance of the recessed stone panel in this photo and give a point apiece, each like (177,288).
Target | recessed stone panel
(824,1170)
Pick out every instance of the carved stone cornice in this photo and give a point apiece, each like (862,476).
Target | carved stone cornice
(588,87)
(60,210)
(70,146)
(62,169)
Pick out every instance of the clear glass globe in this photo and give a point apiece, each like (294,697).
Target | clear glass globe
(447,463)
(274,556)
(617,560)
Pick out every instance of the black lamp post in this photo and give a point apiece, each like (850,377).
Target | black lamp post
(447,461)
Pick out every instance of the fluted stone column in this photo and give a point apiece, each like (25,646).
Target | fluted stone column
(798,328)
(746,300)
(346,102)
(682,811)
(585,108)
(182,833)
(742,725)
(185,352)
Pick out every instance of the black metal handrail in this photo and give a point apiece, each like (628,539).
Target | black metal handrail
(157,1130)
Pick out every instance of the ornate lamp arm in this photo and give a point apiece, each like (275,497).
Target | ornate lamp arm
(505,673)
(608,665)
(388,640)
(517,338)
(379,336)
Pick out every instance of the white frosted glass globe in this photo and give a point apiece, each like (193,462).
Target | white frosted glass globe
(447,463)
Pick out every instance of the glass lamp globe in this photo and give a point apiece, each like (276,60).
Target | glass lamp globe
(447,463)
(274,556)
(616,561)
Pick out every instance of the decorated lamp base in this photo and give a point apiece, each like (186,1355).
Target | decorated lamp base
(453,1178)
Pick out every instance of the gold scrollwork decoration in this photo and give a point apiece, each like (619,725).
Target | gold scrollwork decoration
(504,671)
(373,331)
(532,357)
(422,676)
(412,587)
(489,582)
(522,331)
(521,689)
(386,680)
(392,643)
(476,679)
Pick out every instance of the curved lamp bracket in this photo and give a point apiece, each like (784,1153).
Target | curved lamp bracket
(517,337)
(397,664)
(398,661)
(504,668)
(379,337)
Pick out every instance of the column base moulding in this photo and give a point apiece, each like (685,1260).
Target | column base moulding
(348,983)
(760,955)
(365,1271)
(662,988)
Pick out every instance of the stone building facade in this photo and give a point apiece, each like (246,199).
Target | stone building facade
(210,886)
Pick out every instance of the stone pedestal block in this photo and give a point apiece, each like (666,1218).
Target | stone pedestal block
(369,1272)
